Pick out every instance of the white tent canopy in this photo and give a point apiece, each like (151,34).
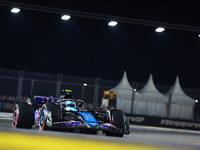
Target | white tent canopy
(123,87)
(181,105)
(124,94)
(151,102)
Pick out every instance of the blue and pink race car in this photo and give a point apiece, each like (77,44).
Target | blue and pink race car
(67,113)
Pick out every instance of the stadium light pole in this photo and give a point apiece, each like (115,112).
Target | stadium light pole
(83,86)
(98,16)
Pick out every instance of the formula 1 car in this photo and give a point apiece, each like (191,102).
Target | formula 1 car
(67,113)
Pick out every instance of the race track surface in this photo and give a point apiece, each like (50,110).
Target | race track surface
(141,137)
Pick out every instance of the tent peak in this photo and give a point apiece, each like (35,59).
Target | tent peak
(149,86)
(123,85)
(177,83)
(124,81)
(176,89)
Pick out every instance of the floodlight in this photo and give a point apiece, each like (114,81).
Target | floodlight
(112,23)
(160,29)
(65,17)
(15,10)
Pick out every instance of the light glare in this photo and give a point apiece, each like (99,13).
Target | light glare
(15,10)
(112,23)
(160,29)
(65,17)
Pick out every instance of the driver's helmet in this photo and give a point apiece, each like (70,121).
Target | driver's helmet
(68,96)
(70,104)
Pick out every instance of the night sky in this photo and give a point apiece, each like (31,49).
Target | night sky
(42,42)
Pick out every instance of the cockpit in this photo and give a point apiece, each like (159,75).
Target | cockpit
(68,103)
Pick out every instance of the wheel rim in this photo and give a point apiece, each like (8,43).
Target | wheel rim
(42,117)
(15,117)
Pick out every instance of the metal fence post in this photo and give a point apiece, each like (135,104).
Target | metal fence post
(96,91)
(133,94)
(169,102)
(32,82)
(20,81)
(58,87)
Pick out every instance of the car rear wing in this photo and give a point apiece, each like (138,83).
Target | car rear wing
(42,99)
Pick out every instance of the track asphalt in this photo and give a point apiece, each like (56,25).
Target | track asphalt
(141,138)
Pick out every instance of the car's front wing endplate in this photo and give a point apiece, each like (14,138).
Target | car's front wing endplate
(68,124)
(110,127)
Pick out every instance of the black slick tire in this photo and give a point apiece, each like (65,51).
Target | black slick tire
(55,114)
(117,119)
(23,116)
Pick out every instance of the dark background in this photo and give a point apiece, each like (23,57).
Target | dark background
(42,42)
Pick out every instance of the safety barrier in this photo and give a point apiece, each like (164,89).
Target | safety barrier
(163,122)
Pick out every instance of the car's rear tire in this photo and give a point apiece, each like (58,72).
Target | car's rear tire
(23,116)
(117,119)
(55,115)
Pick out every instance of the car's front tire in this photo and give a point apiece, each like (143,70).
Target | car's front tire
(117,119)
(50,113)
